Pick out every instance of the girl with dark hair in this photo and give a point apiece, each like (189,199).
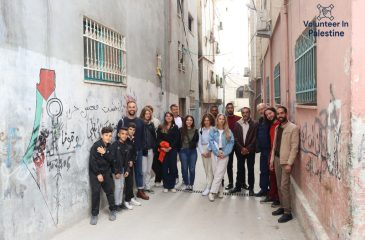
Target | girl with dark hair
(206,125)
(168,140)
(188,153)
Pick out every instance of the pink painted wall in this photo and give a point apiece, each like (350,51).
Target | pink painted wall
(322,170)
(358,120)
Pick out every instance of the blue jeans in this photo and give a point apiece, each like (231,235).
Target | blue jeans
(188,159)
(138,170)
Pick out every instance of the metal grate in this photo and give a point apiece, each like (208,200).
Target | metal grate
(305,69)
(277,84)
(240,194)
(104,54)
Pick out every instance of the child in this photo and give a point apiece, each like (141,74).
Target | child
(129,196)
(120,151)
(100,174)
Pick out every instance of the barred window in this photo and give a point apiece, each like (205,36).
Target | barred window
(305,69)
(104,54)
(277,83)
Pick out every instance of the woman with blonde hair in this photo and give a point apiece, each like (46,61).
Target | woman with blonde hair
(221,142)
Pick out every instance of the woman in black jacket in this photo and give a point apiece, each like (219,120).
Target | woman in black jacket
(149,144)
(168,133)
(188,153)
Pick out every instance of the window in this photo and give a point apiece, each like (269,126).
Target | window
(104,54)
(180,56)
(180,8)
(267,90)
(305,69)
(190,22)
(277,83)
(240,92)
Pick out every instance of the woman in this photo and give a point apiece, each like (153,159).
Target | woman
(206,125)
(168,137)
(188,154)
(149,144)
(221,141)
(273,196)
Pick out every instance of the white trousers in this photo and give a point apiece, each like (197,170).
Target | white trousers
(118,189)
(219,167)
(147,168)
(207,163)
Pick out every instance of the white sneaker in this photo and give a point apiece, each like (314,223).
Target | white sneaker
(173,190)
(128,205)
(135,202)
(206,192)
(165,190)
(220,194)
(211,197)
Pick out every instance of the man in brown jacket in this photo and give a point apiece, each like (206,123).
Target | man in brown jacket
(245,142)
(283,154)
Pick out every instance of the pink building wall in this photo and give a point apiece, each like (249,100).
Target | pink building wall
(322,173)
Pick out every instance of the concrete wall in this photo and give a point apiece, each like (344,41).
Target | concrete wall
(321,179)
(54,108)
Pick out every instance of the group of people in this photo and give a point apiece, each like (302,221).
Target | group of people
(145,147)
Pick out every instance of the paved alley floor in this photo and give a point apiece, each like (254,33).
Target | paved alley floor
(189,216)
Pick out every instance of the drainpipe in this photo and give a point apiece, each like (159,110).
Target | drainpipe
(284,17)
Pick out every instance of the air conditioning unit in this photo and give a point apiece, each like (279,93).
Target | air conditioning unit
(263,24)
(246,72)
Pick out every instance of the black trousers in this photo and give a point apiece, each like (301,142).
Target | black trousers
(230,167)
(241,172)
(129,186)
(107,185)
(157,167)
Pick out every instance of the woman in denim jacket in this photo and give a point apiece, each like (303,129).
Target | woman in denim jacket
(221,141)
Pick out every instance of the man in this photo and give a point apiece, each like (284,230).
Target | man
(283,155)
(174,108)
(214,111)
(139,135)
(175,111)
(273,195)
(245,143)
(263,147)
(232,119)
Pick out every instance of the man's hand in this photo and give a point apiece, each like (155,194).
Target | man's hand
(220,154)
(126,174)
(100,178)
(117,176)
(244,151)
(288,168)
(271,166)
(208,154)
(101,150)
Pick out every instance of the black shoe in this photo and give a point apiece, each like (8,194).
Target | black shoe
(285,218)
(278,212)
(235,190)
(261,194)
(229,186)
(275,204)
(251,193)
(266,200)
(245,187)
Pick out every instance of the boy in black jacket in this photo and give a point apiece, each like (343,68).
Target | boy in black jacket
(129,196)
(100,166)
(121,153)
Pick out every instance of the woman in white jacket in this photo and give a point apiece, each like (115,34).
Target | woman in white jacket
(206,125)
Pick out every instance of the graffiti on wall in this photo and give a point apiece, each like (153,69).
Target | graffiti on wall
(320,140)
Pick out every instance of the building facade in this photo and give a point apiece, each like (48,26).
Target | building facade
(316,72)
(69,69)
